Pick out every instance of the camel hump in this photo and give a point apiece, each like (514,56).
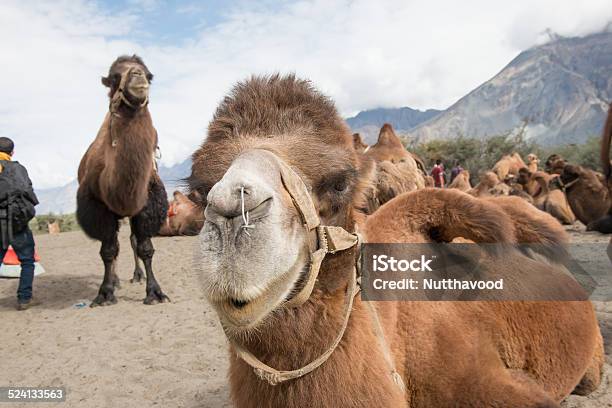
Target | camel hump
(387,137)
(442,215)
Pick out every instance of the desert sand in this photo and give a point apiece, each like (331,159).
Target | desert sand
(133,355)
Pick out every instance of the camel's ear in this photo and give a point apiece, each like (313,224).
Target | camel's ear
(106,82)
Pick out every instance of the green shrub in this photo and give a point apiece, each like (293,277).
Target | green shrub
(67,222)
(477,155)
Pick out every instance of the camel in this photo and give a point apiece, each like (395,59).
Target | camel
(525,178)
(552,199)
(532,162)
(604,224)
(587,194)
(395,169)
(118,178)
(285,298)
(508,164)
(554,164)
(462,181)
(185,217)
(488,180)
(359,144)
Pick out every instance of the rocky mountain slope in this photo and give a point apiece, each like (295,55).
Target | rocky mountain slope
(368,123)
(561,89)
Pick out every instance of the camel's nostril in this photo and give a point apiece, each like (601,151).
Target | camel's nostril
(239,304)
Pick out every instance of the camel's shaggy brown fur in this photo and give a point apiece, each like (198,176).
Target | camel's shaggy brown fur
(509,164)
(506,354)
(462,181)
(358,143)
(117,178)
(587,194)
(488,180)
(554,164)
(552,199)
(395,169)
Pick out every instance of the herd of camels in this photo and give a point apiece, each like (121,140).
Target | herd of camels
(279,193)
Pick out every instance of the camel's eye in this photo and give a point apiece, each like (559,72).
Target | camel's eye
(341,185)
(335,183)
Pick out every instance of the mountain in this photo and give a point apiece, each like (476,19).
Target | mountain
(62,200)
(369,122)
(560,89)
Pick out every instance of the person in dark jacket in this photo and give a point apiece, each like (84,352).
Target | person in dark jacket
(22,241)
(456,171)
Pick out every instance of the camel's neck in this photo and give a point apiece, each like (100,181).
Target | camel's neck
(294,338)
(129,151)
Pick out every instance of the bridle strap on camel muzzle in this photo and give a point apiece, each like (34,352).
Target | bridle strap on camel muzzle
(323,240)
(565,186)
(119,95)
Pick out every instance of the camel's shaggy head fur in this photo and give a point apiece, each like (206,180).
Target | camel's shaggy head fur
(254,249)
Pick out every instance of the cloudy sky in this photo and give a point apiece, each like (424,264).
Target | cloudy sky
(363,53)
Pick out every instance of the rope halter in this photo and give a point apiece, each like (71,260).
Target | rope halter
(323,240)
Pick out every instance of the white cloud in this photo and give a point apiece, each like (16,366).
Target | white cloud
(364,54)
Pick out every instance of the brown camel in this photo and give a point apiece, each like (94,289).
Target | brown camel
(461,181)
(268,183)
(532,162)
(552,199)
(604,224)
(395,169)
(185,217)
(587,194)
(554,164)
(509,164)
(359,144)
(118,178)
(488,180)
(526,179)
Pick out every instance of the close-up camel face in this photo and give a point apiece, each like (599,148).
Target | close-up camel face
(254,248)
(130,76)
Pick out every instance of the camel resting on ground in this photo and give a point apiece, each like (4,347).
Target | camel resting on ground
(271,184)
(587,194)
(118,178)
(461,181)
(509,164)
(552,199)
(488,180)
(395,169)
(185,216)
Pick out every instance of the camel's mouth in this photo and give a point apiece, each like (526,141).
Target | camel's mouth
(239,314)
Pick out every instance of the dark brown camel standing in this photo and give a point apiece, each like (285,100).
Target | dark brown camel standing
(118,178)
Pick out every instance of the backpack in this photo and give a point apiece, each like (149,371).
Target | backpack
(16,209)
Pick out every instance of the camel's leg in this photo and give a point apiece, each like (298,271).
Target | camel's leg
(138,273)
(592,377)
(114,276)
(106,293)
(508,389)
(144,226)
(100,223)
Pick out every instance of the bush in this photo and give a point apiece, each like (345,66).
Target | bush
(40,223)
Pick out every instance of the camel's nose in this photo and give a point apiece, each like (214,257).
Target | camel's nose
(244,194)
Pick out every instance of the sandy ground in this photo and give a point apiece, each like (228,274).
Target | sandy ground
(132,355)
